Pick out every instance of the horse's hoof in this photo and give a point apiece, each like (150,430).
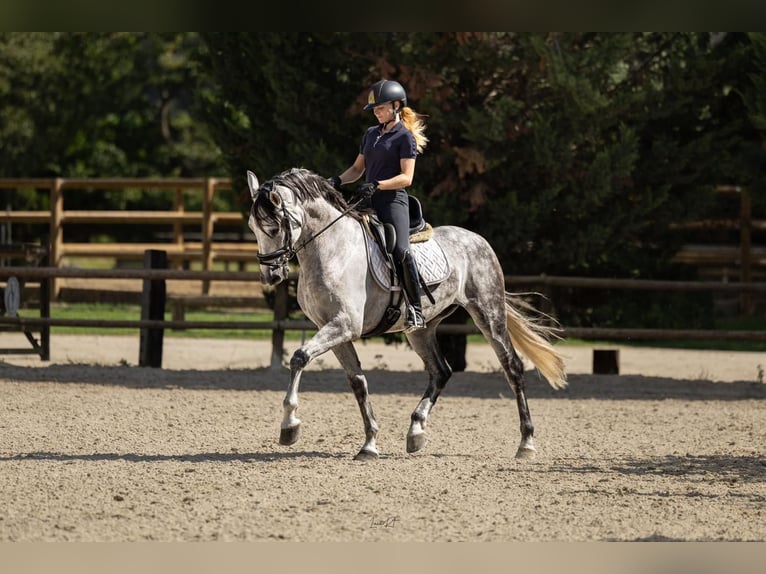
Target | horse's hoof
(289,436)
(415,442)
(526,453)
(366,455)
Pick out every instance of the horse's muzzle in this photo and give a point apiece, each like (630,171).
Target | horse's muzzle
(273,275)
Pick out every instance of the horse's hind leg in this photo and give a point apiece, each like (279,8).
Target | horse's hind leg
(349,360)
(493,324)
(424,344)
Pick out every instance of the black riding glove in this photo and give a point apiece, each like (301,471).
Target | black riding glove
(335,182)
(366,190)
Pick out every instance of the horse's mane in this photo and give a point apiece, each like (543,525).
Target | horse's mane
(306,185)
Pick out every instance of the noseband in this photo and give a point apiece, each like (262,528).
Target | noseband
(278,258)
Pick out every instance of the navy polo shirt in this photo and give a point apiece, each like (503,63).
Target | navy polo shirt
(382,151)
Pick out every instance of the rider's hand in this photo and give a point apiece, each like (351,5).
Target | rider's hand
(366,190)
(335,182)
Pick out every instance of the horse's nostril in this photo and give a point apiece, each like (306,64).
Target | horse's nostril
(275,279)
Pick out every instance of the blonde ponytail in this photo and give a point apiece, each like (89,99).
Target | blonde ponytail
(414,122)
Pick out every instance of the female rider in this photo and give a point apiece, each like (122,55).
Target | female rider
(387,158)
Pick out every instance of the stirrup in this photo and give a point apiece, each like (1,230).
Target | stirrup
(414,320)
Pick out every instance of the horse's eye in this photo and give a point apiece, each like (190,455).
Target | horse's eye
(270,229)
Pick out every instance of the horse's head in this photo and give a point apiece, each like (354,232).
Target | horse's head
(276,219)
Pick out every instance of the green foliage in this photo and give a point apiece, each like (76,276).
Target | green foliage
(624,309)
(571,152)
(101,105)
(556,148)
(288,99)
(755,99)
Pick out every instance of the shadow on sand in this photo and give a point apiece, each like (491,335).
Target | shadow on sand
(467,384)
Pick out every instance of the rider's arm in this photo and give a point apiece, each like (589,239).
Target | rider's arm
(404,179)
(354,172)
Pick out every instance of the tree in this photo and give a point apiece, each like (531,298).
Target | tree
(290,99)
(101,105)
(571,152)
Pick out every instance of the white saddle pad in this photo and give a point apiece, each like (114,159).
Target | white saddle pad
(432,263)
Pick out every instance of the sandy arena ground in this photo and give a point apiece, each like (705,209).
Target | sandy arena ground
(94,448)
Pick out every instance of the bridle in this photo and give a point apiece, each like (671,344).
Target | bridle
(279,257)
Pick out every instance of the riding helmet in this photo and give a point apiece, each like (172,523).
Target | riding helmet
(385,91)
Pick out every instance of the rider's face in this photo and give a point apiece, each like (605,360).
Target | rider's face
(384,112)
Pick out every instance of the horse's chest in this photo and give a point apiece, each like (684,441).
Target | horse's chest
(320,297)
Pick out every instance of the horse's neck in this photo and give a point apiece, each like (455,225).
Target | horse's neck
(324,224)
(320,215)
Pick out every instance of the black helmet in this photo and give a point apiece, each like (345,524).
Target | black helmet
(385,91)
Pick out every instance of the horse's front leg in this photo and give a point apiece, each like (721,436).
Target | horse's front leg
(326,338)
(291,424)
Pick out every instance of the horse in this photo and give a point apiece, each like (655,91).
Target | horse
(299,214)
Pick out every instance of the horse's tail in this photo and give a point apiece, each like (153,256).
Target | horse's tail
(531,339)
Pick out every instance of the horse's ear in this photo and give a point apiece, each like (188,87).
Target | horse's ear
(252,183)
(275,198)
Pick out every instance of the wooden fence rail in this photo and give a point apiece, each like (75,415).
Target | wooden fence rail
(637,284)
(511,280)
(179,250)
(744,258)
(282,324)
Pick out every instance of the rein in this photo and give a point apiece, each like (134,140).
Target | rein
(282,255)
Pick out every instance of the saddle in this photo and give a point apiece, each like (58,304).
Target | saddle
(384,234)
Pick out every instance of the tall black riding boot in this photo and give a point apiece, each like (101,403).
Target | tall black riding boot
(411,283)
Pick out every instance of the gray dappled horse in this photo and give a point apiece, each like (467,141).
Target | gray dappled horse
(298,213)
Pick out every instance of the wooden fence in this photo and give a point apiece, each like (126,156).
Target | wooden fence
(206,250)
(743,260)
(282,324)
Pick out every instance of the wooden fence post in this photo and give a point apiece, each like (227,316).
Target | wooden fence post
(56,231)
(281,301)
(45,308)
(453,345)
(178,226)
(152,308)
(746,260)
(207,231)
